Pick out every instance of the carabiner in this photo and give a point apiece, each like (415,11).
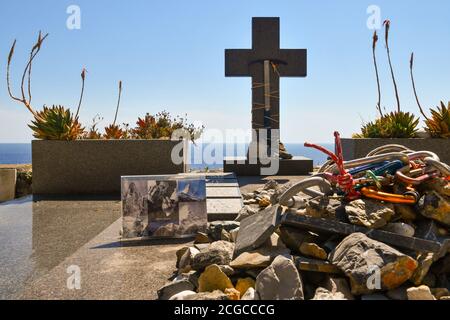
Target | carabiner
(415,181)
(286,198)
(421,155)
(367,167)
(442,167)
(407,198)
(390,168)
(373,159)
(386,149)
(374,178)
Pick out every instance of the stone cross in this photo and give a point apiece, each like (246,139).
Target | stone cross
(265,62)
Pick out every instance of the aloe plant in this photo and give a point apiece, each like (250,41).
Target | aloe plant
(402,125)
(439,123)
(392,125)
(396,124)
(56,122)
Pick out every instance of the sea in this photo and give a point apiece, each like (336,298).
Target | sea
(20,153)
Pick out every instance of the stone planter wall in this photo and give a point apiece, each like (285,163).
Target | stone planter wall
(95,166)
(358,148)
(8,179)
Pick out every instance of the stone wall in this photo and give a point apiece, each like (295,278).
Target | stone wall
(95,166)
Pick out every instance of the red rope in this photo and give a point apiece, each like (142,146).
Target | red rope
(344,179)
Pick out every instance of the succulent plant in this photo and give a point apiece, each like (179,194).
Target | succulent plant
(56,123)
(402,124)
(113,131)
(371,129)
(398,124)
(162,126)
(92,133)
(439,123)
(392,125)
(193,131)
(145,127)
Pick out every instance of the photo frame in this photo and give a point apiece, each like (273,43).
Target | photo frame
(163,206)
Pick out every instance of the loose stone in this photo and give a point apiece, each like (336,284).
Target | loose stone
(359,257)
(280,281)
(213,279)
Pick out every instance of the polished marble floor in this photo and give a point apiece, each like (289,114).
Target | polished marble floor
(41,241)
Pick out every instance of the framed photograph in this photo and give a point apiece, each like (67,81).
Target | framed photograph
(163,206)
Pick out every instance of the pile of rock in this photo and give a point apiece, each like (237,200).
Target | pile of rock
(329,249)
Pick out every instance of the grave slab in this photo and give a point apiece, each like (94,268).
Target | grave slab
(287,167)
(223,209)
(219,176)
(222,192)
(223,183)
(223,196)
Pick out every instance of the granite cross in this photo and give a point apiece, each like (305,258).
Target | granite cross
(265,62)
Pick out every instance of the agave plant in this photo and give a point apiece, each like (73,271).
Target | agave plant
(439,123)
(56,123)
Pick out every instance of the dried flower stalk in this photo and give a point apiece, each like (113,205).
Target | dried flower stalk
(387,24)
(411,65)
(374,45)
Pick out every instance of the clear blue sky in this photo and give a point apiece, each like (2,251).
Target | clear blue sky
(170,55)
